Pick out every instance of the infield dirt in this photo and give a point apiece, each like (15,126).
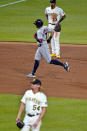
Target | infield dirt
(16,61)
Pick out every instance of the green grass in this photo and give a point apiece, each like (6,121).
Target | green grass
(62,114)
(16,21)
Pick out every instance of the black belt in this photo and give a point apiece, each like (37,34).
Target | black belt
(52,24)
(31,115)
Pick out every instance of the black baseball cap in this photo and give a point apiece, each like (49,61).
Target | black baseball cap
(36,81)
(38,23)
(52,1)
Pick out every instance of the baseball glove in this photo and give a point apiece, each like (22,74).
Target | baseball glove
(57,27)
(20,124)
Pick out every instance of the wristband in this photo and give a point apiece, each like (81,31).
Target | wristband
(61,19)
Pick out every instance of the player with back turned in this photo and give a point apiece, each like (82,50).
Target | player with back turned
(43,48)
(54,16)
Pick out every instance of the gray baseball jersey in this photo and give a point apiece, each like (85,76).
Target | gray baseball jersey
(43,50)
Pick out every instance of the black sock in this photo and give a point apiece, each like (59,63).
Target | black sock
(36,64)
(56,62)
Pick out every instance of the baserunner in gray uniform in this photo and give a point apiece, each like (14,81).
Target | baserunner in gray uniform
(43,48)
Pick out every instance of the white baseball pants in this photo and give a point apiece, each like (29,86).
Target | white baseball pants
(29,121)
(55,44)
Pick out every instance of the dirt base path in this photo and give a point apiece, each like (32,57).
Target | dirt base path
(16,60)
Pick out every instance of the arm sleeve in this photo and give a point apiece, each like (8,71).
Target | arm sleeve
(62,13)
(24,99)
(44,101)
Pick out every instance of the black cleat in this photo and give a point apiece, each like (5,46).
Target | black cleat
(66,66)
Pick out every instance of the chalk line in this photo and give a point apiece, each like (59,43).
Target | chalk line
(12,3)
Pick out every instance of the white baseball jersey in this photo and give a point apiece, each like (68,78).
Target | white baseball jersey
(34,102)
(50,12)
